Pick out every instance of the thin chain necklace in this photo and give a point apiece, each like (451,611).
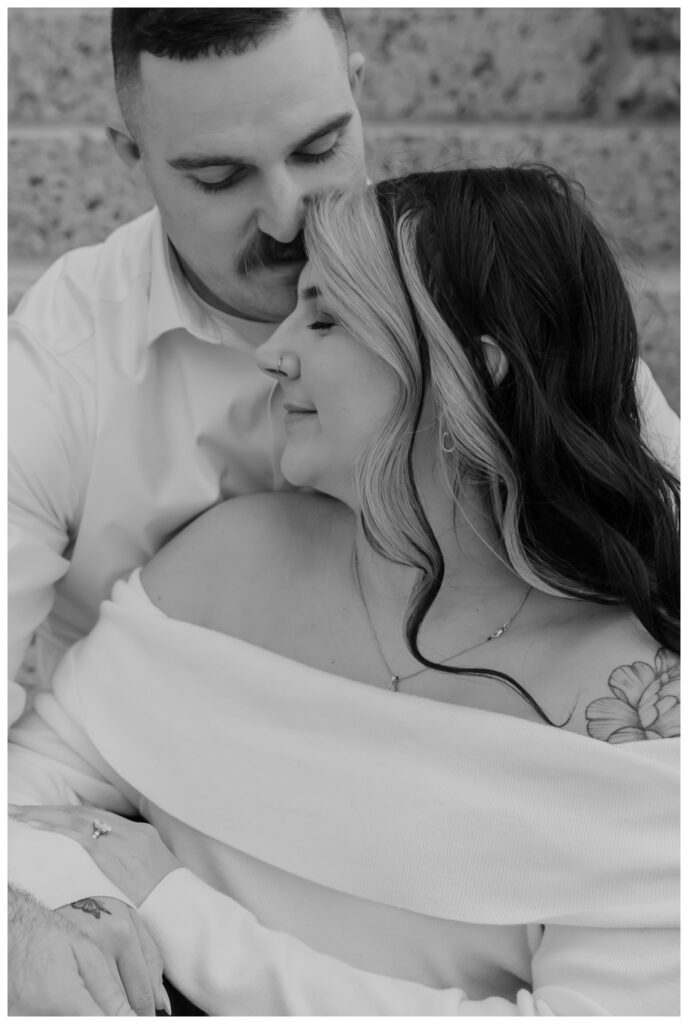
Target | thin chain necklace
(395,679)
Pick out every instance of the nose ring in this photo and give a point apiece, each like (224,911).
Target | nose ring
(287,366)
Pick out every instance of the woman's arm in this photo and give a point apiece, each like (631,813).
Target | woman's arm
(219,956)
(227,963)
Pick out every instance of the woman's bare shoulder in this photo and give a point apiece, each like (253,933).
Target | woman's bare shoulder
(244,539)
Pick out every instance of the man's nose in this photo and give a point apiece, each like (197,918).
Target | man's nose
(282,209)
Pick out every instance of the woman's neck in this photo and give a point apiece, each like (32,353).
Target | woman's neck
(475,567)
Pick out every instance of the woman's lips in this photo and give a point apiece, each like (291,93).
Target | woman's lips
(297,410)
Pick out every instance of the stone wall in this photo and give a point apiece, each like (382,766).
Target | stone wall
(595,91)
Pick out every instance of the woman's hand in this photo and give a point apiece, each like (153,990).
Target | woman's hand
(130,853)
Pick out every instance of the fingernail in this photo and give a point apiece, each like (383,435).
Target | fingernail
(166,1004)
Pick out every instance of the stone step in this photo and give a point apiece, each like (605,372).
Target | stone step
(469,63)
(655,290)
(67,188)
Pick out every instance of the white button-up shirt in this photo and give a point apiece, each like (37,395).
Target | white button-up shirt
(134,406)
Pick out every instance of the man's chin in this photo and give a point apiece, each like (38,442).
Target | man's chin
(274,289)
(286,273)
(267,297)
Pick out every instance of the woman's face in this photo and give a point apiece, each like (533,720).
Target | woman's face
(335,392)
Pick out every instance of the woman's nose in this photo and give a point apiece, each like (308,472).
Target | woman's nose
(277,362)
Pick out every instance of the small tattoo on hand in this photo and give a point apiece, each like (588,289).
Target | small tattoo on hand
(90,906)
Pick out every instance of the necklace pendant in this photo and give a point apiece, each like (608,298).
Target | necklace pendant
(394,685)
(498,632)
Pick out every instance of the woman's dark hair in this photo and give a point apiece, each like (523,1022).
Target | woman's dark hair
(583,508)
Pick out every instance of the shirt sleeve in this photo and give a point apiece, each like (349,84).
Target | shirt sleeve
(52,762)
(50,427)
(661,425)
(224,961)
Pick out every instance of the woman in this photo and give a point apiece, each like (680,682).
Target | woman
(390,728)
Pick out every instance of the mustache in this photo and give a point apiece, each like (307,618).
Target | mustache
(265,252)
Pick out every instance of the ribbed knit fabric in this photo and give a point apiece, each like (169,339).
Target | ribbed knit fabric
(507,867)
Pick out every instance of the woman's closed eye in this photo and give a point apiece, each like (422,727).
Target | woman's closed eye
(321,325)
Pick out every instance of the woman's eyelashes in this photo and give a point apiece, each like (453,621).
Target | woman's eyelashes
(321,325)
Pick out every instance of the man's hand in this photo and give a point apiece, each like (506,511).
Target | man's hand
(56,970)
(118,931)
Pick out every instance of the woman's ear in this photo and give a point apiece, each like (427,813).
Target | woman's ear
(495,358)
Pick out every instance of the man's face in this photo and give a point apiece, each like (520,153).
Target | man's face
(233,146)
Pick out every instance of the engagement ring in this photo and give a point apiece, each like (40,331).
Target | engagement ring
(100,828)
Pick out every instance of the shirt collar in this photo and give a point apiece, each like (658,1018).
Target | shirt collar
(174,305)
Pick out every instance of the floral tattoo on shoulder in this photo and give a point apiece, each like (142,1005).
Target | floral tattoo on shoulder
(645,705)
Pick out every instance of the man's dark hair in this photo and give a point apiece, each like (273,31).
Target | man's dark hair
(185,33)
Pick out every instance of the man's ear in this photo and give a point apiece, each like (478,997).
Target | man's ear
(356,74)
(495,358)
(124,146)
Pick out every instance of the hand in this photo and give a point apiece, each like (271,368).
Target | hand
(118,931)
(55,971)
(131,854)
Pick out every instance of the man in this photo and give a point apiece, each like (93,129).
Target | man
(135,400)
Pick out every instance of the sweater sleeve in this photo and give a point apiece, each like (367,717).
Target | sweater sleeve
(227,963)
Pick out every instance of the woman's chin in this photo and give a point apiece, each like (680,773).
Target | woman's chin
(298,473)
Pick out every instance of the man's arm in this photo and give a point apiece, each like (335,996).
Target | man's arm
(50,428)
(55,970)
(661,425)
(45,766)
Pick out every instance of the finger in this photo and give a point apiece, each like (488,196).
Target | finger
(135,976)
(49,817)
(63,830)
(77,1004)
(154,962)
(99,982)
(53,814)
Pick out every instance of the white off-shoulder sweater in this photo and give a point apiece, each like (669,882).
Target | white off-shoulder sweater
(348,851)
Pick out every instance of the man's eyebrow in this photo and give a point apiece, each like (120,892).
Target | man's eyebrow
(311,292)
(196,163)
